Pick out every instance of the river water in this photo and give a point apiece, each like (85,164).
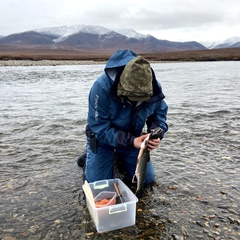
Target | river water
(43,114)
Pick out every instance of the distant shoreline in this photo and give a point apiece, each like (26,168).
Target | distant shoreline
(50,57)
(6,63)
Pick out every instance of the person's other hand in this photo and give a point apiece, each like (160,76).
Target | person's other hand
(138,141)
(153,143)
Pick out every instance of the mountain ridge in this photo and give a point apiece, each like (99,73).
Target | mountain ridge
(93,37)
(87,37)
(229,42)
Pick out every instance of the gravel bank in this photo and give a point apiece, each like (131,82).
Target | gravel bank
(46,62)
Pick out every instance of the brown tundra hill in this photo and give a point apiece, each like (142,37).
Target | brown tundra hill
(9,52)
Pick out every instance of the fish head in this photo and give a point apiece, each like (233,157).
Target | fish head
(155,133)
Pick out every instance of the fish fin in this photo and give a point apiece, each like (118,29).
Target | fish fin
(134,179)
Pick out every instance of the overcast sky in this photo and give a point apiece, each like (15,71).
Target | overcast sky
(174,20)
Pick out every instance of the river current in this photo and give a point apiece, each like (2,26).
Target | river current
(43,111)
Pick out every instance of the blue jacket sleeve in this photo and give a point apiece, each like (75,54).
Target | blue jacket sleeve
(158,119)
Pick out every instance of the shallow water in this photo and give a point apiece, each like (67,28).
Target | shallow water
(42,121)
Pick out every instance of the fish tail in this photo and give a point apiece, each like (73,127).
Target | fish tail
(139,193)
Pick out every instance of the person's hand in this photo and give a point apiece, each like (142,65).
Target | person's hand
(153,143)
(138,141)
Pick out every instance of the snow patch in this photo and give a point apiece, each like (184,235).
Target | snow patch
(62,32)
(214,44)
(130,33)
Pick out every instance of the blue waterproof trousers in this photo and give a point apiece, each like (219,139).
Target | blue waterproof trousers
(99,165)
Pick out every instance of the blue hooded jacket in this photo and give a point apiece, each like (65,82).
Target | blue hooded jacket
(115,121)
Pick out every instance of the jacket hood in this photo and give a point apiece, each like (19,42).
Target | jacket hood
(117,61)
(115,66)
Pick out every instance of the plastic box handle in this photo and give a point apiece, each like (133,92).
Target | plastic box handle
(122,208)
(101,184)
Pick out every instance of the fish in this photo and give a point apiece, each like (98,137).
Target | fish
(142,160)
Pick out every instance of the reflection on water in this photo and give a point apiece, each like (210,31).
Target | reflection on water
(43,116)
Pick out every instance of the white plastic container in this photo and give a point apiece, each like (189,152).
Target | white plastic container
(115,216)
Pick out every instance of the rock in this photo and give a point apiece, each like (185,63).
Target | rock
(200,224)
(223,206)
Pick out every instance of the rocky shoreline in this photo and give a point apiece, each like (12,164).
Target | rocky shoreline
(6,63)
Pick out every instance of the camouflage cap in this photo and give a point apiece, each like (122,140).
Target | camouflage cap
(136,80)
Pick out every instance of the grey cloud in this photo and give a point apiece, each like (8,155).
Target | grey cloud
(155,15)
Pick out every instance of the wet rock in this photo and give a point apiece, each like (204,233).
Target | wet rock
(9,230)
(58,221)
(25,234)
(211,235)
(172,187)
(9,238)
(201,224)
(222,219)
(223,192)
(184,231)
(223,206)
(199,198)
(233,211)
(207,224)
(216,225)
(186,190)
(212,217)
(233,220)
(215,232)
(177,237)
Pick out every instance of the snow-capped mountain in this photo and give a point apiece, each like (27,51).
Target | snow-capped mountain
(90,37)
(230,42)
(68,30)
(62,32)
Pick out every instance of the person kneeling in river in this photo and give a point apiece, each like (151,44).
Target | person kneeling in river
(124,99)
